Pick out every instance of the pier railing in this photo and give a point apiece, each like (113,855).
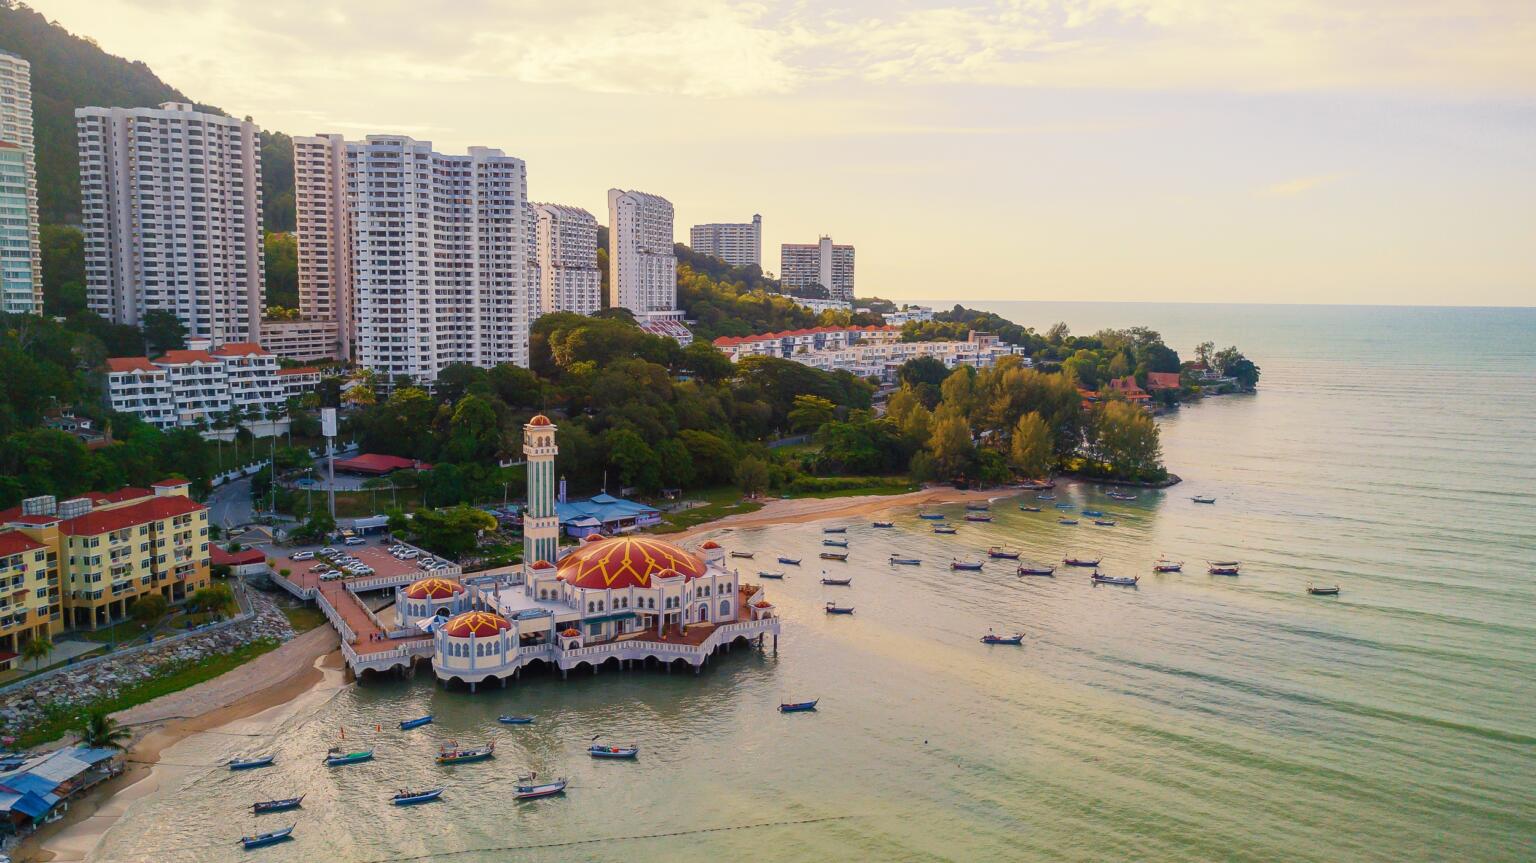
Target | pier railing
(334,616)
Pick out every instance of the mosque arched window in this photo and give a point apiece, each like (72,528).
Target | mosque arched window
(725,608)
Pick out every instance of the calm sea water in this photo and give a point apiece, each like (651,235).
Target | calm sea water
(1193,718)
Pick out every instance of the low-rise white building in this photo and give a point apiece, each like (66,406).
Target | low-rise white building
(303,340)
(186,387)
(819,306)
(789,343)
(866,352)
(908,314)
(298,381)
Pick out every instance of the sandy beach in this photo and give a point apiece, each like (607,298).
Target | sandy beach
(798,510)
(249,698)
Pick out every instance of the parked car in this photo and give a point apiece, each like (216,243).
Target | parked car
(304,555)
(320,567)
(328,550)
(354,540)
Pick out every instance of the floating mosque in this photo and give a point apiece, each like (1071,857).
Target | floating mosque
(608,601)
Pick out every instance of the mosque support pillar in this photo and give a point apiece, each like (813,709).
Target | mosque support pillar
(471,688)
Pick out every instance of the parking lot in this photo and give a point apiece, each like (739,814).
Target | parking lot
(374,554)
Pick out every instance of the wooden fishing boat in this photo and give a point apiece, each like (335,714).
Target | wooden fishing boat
(1117,495)
(1001,553)
(452,754)
(1066,521)
(599,750)
(504,719)
(1125,581)
(1093,513)
(271,837)
(798,706)
(978,507)
(884,524)
(989,638)
(1036,569)
(835,543)
(1045,497)
(408,724)
(838,582)
(834,555)
(836,609)
(1081,561)
(966,565)
(792,561)
(251,763)
(529,789)
(1165,565)
(1027,508)
(337,758)
(745,554)
(411,798)
(1225,562)
(1215,569)
(1323,591)
(977,516)
(931,516)
(944,531)
(778,576)
(283,805)
(1104,522)
(1200,498)
(905,561)
(834,530)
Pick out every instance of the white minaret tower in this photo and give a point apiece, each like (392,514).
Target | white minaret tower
(541,527)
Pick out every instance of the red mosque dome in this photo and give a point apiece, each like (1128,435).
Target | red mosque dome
(711,544)
(481,624)
(542,564)
(627,561)
(540,420)
(433,588)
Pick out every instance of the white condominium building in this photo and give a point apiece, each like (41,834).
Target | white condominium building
(569,279)
(303,340)
(21,268)
(434,247)
(822,263)
(908,314)
(183,388)
(642,263)
(738,244)
(864,351)
(788,343)
(171,202)
(324,253)
(532,273)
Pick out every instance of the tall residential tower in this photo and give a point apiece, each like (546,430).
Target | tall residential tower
(738,244)
(21,270)
(171,201)
(642,264)
(804,264)
(566,243)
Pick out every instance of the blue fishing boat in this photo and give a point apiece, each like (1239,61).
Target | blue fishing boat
(1066,521)
(944,530)
(837,582)
(528,788)
(1104,522)
(834,530)
(336,758)
(798,706)
(1223,569)
(1110,579)
(1081,561)
(599,750)
(514,720)
(1165,565)
(1001,553)
(411,798)
(1036,569)
(834,555)
(774,575)
(251,763)
(966,565)
(282,805)
(408,724)
(1066,506)
(1323,591)
(905,561)
(1045,497)
(989,638)
(883,524)
(837,609)
(931,516)
(271,837)
(1093,513)
(792,561)
(835,543)
(452,754)
(977,516)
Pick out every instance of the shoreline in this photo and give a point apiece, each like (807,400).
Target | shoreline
(270,682)
(804,509)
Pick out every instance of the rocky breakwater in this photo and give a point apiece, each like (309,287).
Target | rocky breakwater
(104,680)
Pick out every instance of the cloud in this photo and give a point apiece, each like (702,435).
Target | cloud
(1299,186)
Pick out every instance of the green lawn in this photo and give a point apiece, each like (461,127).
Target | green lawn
(722,501)
(890,485)
(60,719)
(303,618)
(353,504)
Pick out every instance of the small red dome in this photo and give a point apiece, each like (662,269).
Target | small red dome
(572,633)
(593,537)
(433,588)
(540,420)
(542,564)
(762,603)
(477,623)
(711,544)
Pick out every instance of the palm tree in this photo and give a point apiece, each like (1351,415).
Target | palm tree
(100,731)
(37,650)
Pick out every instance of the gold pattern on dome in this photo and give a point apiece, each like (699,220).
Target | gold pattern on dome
(625,561)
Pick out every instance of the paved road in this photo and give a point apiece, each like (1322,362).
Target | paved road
(229,505)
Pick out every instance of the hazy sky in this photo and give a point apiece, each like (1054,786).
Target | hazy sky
(1366,151)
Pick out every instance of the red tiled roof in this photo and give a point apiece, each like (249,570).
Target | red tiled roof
(17,518)
(171,482)
(181,358)
(726,341)
(131,364)
(153,509)
(15,542)
(375,463)
(241,349)
(301,370)
(219,557)
(1162,380)
(97,498)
